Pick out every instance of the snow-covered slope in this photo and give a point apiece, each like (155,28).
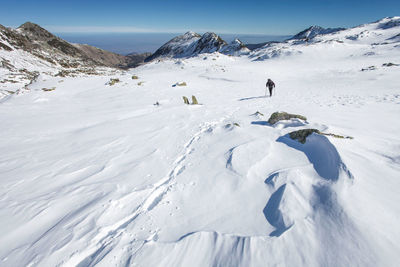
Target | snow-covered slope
(192,44)
(94,174)
(357,41)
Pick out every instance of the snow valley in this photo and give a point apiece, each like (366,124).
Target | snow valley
(102,164)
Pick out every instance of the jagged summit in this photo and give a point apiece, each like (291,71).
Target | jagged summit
(209,43)
(191,44)
(313,31)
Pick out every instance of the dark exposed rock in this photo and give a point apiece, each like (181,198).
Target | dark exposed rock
(49,89)
(194,100)
(278,116)
(64,47)
(368,68)
(301,135)
(113,81)
(208,43)
(5,47)
(257,113)
(390,64)
(256,46)
(35,31)
(134,60)
(230,126)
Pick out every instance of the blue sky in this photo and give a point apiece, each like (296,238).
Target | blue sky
(234,16)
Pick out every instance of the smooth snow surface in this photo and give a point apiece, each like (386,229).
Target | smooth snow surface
(96,175)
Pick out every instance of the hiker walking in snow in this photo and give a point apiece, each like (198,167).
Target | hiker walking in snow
(270,85)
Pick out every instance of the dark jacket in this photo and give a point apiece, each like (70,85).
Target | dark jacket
(270,84)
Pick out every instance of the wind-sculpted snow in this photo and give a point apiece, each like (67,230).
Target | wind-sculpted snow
(322,154)
(128,175)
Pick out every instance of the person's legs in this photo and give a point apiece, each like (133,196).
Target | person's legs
(270,91)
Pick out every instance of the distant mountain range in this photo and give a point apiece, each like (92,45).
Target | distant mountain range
(30,51)
(39,42)
(50,50)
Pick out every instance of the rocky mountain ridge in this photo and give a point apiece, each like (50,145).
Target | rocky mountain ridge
(38,41)
(192,44)
(313,31)
(30,50)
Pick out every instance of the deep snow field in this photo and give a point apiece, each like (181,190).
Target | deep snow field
(93,174)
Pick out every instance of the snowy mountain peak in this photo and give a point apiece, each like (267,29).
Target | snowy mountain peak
(191,34)
(313,31)
(191,44)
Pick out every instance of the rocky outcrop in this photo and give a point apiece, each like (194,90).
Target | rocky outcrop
(279,116)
